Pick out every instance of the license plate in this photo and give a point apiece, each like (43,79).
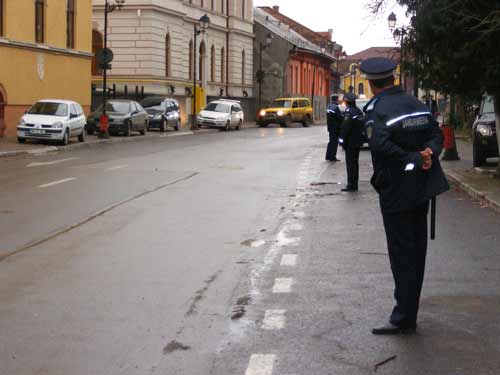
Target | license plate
(38,131)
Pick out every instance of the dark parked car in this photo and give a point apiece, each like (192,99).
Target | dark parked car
(125,116)
(162,113)
(485,142)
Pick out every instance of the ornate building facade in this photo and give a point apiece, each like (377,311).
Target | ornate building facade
(153,45)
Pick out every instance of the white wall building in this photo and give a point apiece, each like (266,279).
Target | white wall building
(152,41)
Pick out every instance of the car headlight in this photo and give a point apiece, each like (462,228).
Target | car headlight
(485,130)
(22,123)
(280,113)
(262,113)
(57,125)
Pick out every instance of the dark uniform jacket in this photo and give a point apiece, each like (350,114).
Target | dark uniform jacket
(333,117)
(398,127)
(352,131)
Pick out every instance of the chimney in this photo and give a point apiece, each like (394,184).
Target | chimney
(276,8)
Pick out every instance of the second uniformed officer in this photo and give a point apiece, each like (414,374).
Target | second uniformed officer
(405,142)
(334,120)
(352,140)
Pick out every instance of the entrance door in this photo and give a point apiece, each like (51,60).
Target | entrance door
(2,115)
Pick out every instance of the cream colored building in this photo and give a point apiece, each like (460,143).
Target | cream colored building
(45,52)
(152,41)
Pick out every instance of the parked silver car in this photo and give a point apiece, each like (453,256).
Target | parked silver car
(162,113)
(222,114)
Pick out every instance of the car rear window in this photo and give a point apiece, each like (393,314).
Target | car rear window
(49,109)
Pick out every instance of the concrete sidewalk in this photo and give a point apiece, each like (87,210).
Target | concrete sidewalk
(479,183)
(9,147)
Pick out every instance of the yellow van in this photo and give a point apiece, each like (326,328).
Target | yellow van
(285,111)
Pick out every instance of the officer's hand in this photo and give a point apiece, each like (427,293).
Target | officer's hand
(427,158)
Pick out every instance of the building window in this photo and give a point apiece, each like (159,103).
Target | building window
(222,65)
(39,21)
(243,6)
(212,64)
(201,65)
(222,6)
(296,80)
(191,58)
(1,18)
(213,5)
(167,55)
(243,67)
(361,89)
(291,79)
(70,24)
(97,44)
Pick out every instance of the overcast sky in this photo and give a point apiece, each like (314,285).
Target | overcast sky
(353,25)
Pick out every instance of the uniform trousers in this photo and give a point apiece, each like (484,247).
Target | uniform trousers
(406,234)
(352,166)
(333,144)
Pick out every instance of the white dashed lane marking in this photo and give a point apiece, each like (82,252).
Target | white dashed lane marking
(261,364)
(117,167)
(274,319)
(40,164)
(282,285)
(57,182)
(289,260)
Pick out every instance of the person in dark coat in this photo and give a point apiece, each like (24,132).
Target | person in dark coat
(334,121)
(352,137)
(405,142)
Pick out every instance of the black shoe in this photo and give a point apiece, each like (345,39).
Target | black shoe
(391,329)
(334,160)
(349,189)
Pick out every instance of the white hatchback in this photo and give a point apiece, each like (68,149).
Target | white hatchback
(56,120)
(222,114)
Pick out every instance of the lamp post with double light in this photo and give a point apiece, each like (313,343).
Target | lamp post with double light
(199,28)
(399,34)
(260,72)
(106,56)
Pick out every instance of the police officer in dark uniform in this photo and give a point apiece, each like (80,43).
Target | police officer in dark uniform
(334,120)
(405,142)
(351,135)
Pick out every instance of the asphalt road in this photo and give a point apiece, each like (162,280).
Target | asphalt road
(227,253)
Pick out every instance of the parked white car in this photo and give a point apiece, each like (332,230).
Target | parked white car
(222,114)
(52,119)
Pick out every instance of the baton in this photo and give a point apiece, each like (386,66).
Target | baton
(433,218)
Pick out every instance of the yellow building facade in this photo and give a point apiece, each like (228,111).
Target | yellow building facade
(45,52)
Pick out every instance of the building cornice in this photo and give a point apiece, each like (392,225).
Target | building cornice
(44,48)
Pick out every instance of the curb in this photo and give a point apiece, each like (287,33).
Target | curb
(473,192)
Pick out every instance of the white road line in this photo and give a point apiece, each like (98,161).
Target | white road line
(274,319)
(289,260)
(40,164)
(282,285)
(57,182)
(261,364)
(117,167)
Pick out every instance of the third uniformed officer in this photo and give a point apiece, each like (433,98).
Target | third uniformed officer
(334,120)
(352,140)
(405,142)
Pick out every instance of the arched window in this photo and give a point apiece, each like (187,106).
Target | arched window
(167,55)
(291,79)
(39,21)
(70,24)
(1,18)
(201,60)
(222,6)
(97,44)
(191,58)
(212,64)
(222,65)
(213,5)
(243,67)
(243,6)
(361,89)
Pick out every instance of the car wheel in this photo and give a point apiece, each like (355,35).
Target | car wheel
(287,121)
(90,131)
(307,121)
(478,158)
(65,139)
(81,137)
(143,131)
(177,125)
(262,124)
(228,126)
(128,130)
(163,125)
(239,125)
(21,140)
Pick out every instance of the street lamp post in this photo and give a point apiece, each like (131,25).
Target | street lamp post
(204,22)
(108,8)
(260,73)
(354,69)
(399,34)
